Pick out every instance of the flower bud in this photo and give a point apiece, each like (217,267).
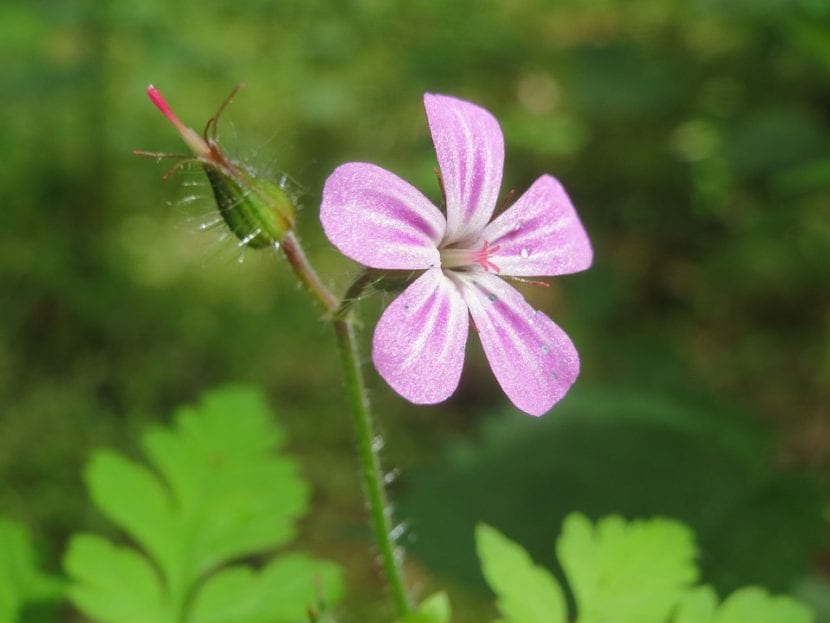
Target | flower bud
(256,210)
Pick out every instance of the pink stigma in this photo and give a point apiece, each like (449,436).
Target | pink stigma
(163,106)
(482,257)
(198,145)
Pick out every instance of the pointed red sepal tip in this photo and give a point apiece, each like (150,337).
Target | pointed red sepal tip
(162,105)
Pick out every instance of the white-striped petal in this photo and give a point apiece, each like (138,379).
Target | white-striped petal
(533,360)
(419,341)
(540,234)
(380,220)
(470,150)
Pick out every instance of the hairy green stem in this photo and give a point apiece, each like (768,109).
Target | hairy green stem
(308,276)
(367,448)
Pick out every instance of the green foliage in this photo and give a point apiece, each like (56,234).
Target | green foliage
(525,591)
(433,609)
(623,572)
(214,492)
(635,572)
(747,604)
(23,586)
(636,453)
(629,572)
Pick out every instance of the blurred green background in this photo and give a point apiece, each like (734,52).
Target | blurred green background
(692,135)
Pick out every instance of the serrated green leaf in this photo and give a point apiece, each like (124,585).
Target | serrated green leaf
(234,496)
(433,609)
(756,605)
(281,593)
(526,592)
(697,606)
(659,450)
(21,582)
(131,496)
(751,604)
(115,584)
(626,572)
(216,492)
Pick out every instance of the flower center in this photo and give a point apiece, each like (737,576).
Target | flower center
(467,258)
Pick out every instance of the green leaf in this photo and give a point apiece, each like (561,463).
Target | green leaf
(658,451)
(433,609)
(215,491)
(132,496)
(697,606)
(526,592)
(234,496)
(626,572)
(747,604)
(756,605)
(115,583)
(21,582)
(280,593)
(620,572)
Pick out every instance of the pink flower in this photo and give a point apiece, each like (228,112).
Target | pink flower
(381,221)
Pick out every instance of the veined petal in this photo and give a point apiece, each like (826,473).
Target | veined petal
(470,149)
(376,218)
(540,234)
(533,360)
(419,341)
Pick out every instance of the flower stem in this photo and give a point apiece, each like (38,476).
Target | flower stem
(340,317)
(370,462)
(308,276)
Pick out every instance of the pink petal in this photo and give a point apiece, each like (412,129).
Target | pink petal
(533,360)
(540,234)
(379,220)
(470,150)
(419,341)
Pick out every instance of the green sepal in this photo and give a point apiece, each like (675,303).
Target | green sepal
(393,281)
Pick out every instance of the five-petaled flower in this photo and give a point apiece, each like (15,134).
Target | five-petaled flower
(376,218)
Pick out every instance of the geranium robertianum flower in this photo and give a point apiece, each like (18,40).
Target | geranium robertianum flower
(376,218)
